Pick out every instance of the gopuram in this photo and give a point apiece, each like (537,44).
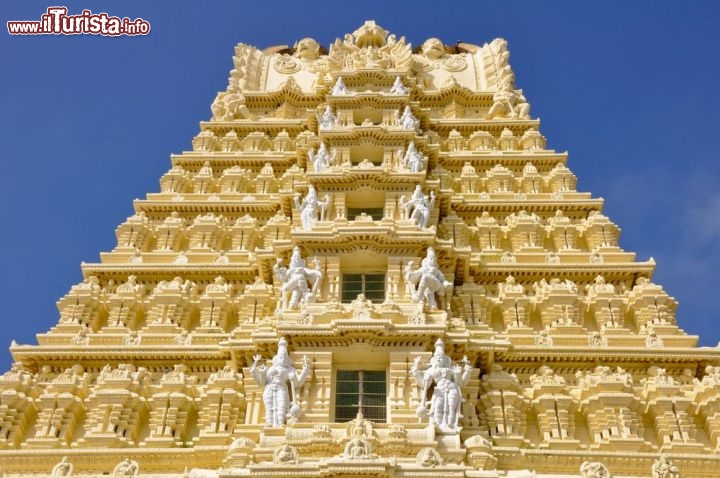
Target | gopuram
(369,265)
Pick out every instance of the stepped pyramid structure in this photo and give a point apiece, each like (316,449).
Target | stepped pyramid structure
(369,265)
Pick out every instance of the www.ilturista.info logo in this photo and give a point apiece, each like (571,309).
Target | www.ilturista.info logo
(57,22)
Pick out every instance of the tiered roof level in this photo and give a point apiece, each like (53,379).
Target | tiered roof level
(388,225)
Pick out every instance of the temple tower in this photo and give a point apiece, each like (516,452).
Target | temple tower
(370,264)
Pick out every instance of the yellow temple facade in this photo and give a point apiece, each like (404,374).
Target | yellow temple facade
(369,265)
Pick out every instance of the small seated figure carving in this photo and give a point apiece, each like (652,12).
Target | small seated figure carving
(327,120)
(662,468)
(413,160)
(398,88)
(339,89)
(509,102)
(127,467)
(323,159)
(63,468)
(286,454)
(408,120)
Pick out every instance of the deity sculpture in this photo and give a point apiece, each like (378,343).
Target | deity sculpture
(307,49)
(433,48)
(662,468)
(229,104)
(280,403)
(398,88)
(413,159)
(408,120)
(509,102)
(62,468)
(339,89)
(448,380)
(594,469)
(429,280)
(294,279)
(420,206)
(322,159)
(310,206)
(327,120)
(127,467)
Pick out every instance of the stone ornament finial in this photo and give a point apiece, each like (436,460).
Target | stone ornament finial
(281,403)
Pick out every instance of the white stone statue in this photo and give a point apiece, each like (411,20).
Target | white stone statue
(448,380)
(294,279)
(427,281)
(408,120)
(327,120)
(280,403)
(62,468)
(323,159)
(509,102)
(413,159)
(418,207)
(311,208)
(339,89)
(662,468)
(398,88)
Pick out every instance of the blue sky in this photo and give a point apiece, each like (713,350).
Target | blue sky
(88,122)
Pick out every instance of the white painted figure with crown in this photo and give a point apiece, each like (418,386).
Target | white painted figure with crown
(310,206)
(281,404)
(418,207)
(446,398)
(294,279)
(323,159)
(429,280)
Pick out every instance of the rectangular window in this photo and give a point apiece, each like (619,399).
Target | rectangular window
(360,390)
(372,285)
(376,213)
